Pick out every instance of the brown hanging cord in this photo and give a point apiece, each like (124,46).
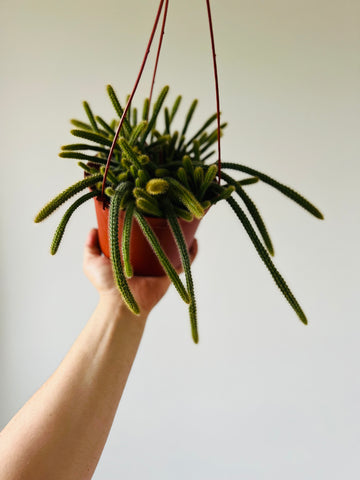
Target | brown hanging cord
(153,81)
(158,51)
(216,88)
(132,94)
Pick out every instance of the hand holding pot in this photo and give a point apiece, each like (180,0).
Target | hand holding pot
(147,291)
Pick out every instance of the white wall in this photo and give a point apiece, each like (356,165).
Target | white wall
(261,396)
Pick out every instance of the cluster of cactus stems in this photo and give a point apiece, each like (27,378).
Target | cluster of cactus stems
(166,174)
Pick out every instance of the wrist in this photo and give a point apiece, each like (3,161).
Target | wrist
(115,305)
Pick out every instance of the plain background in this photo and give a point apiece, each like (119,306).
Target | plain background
(261,396)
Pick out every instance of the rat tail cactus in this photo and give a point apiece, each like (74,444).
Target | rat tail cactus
(163,173)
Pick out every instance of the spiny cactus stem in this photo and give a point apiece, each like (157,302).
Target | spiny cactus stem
(280,282)
(66,195)
(289,192)
(158,51)
(202,129)
(62,225)
(180,164)
(216,87)
(115,257)
(132,93)
(160,254)
(186,197)
(253,212)
(185,260)
(125,244)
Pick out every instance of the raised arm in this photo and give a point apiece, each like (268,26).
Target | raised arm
(61,431)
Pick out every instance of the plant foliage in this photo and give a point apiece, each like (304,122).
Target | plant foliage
(159,172)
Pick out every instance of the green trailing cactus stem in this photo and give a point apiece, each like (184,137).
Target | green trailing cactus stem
(157,171)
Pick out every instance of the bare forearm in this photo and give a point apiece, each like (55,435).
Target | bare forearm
(61,431)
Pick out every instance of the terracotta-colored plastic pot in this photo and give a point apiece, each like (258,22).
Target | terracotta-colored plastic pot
(142,257)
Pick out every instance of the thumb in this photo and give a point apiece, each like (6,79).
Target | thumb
(193,250)
(92,247)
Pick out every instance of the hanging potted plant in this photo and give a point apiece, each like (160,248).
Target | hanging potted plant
(152,185)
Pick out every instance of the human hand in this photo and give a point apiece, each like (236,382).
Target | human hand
(146,290)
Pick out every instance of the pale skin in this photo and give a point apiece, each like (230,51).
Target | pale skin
(60,433)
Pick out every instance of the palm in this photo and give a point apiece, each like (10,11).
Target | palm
(146,290)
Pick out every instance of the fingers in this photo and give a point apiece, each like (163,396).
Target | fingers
(92,247)
(193,250)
